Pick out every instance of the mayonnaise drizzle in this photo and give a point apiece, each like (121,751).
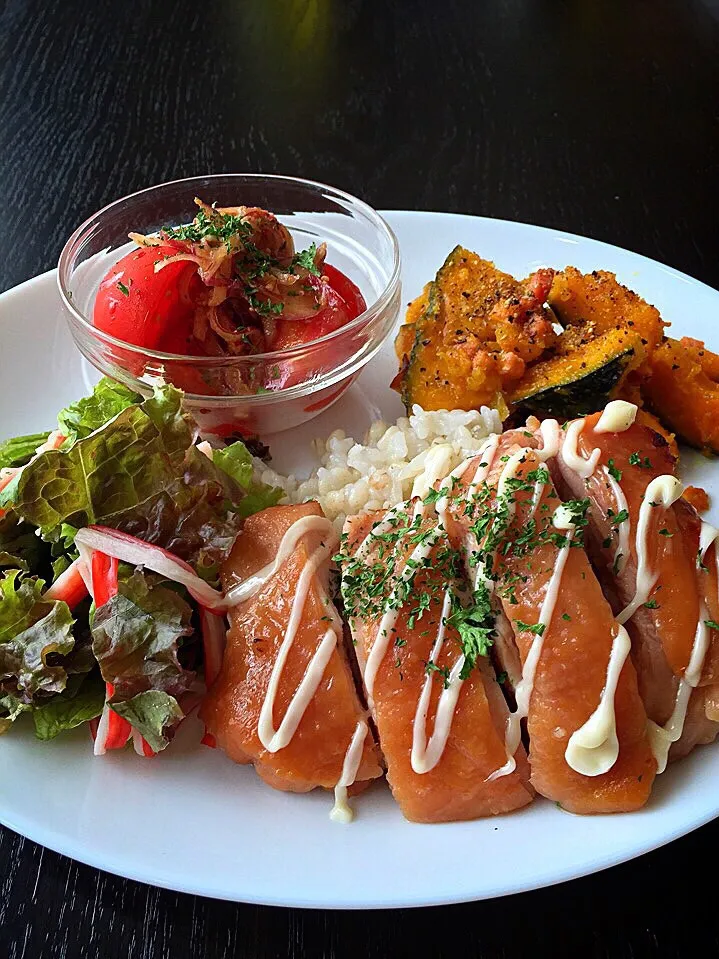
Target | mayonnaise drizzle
(308,524)
(662,491)
(485,455)
(523,693)
(341,811)
(385,525)
(549,431)
(618,416)
(436,464)
(425,755)
(583,467)
(594,747)
(621,553)
(275,739)
(661,738)
(392,609)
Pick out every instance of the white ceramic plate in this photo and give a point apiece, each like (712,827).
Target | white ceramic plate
(192,821)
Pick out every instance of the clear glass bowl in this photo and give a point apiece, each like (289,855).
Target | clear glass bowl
(359,243)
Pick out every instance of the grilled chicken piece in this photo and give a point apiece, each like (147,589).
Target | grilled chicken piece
(645,544)
(442,735)
(298,719)
(588,745)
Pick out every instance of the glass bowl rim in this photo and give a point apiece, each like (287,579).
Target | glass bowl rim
(375,308)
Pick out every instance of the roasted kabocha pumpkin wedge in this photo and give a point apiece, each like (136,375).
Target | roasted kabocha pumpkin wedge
(608,333)
(557,344)
(581,381)
(597,302)
(473,331)
(683,390)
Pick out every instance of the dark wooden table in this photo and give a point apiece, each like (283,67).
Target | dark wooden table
(596,117)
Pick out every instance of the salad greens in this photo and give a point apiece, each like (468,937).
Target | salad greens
(136,637)
(82,700)
(35,636)
(151,713)
(133,465)
(18,451)
(91,412)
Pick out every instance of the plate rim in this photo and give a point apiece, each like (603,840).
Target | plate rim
(52,839)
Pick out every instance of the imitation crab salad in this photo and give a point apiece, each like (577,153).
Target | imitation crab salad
(113,528)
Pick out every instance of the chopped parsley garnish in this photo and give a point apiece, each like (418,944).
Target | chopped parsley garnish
(665,532)
(635,459)
(475,625)
(501,678)
(420,609)
(125,290)
(443,671)
(578,509)
(537,628)
(621,517)
(711,624)
(222,227)
(566,617)
(434,495)
(613,471)
(265,307)
(306,259)
(652,604)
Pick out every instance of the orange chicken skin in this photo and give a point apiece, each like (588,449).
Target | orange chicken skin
(663,627)
(458,786)
(548,592)
(315,753)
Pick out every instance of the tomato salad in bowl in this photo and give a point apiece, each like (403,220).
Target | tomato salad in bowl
(262,319)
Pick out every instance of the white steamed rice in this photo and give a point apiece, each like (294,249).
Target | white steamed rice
(393,462)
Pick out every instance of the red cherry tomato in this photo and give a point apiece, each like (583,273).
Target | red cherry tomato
(343,302)
(348,290)
(147,308)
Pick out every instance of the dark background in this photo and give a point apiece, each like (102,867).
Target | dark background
(597,117)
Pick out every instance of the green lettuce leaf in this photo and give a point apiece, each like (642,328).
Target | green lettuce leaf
(80,702)
(20,547)
(259,496)
(107,399)
(236,461)
(20,605)
(10,708)
(140,473)
(35,639)
(136,638)
(152,714)
(17,451)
